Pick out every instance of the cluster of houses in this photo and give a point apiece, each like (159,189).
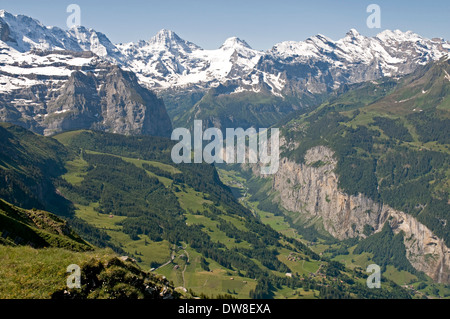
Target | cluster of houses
(294,257)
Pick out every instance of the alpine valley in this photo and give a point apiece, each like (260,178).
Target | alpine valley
(86,175)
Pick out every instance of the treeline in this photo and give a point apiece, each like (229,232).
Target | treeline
(412,181)
(143,147)
(387,249)
(393,128)
(29,164)
(431,128)
(93,235)
(338,285)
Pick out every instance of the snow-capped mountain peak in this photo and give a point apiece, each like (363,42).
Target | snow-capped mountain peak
(167,60)
(167,39)
(354,58)
(398,35)
(25,33)
(233,43)
(90,40)
(353,33)
(319,38)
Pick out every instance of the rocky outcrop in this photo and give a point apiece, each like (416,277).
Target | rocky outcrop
(118,278)
(4,32)
(311,189)
(129,108)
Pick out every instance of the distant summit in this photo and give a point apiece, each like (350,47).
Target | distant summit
(234,42)
(169,39)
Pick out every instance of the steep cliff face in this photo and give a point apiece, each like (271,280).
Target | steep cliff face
(129,108)
(311,189)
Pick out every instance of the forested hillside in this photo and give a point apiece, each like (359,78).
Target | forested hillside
(392,146)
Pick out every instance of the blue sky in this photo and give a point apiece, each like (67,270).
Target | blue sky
(261,23)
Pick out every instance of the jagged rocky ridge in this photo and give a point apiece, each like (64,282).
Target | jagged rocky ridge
(312,191)
(320,64)
(316,65)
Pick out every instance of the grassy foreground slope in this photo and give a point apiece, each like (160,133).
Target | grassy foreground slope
(36,247)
